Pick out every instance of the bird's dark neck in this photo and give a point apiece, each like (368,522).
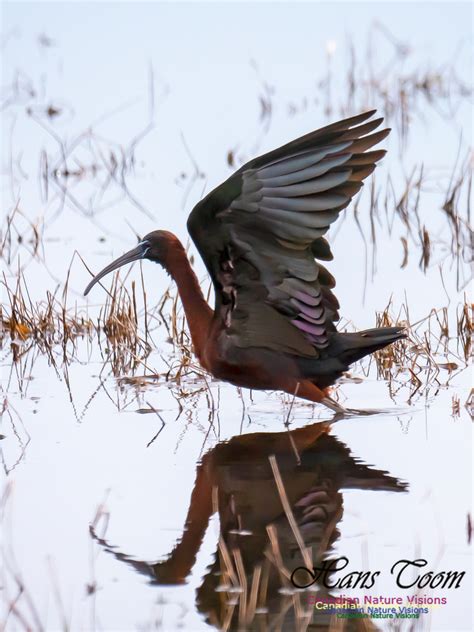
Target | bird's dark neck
(181,560)
(198,313)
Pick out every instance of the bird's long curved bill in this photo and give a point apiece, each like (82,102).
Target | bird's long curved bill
(132,255)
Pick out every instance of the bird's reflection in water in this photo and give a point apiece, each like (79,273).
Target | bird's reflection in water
(279,501)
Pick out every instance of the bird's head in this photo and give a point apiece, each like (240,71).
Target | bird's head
(155,246)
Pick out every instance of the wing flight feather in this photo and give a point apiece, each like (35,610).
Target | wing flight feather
(262,231)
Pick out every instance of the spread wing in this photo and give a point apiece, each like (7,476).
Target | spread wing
(261,236)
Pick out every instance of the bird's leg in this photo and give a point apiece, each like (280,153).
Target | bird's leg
(332,404)
(177,567)
(295,393)
(308,390)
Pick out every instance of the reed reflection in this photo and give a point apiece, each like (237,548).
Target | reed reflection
(279,500)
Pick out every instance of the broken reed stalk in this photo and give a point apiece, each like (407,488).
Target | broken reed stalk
(305,551)
(19,231)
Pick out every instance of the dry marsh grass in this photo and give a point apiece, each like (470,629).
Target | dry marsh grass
(429,216)
(385,72)
(436,351)
(85,171)
(54,329)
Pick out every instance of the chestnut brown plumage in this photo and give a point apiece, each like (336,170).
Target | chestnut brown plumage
(261,237)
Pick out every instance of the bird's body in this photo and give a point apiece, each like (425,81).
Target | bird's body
(260,235)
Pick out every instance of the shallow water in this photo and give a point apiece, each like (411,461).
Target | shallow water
(98,470)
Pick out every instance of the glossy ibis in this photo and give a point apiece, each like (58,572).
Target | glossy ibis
(261,236)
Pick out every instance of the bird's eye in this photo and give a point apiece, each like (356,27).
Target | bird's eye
(145,245)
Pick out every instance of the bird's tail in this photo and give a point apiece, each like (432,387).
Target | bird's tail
(354,346)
